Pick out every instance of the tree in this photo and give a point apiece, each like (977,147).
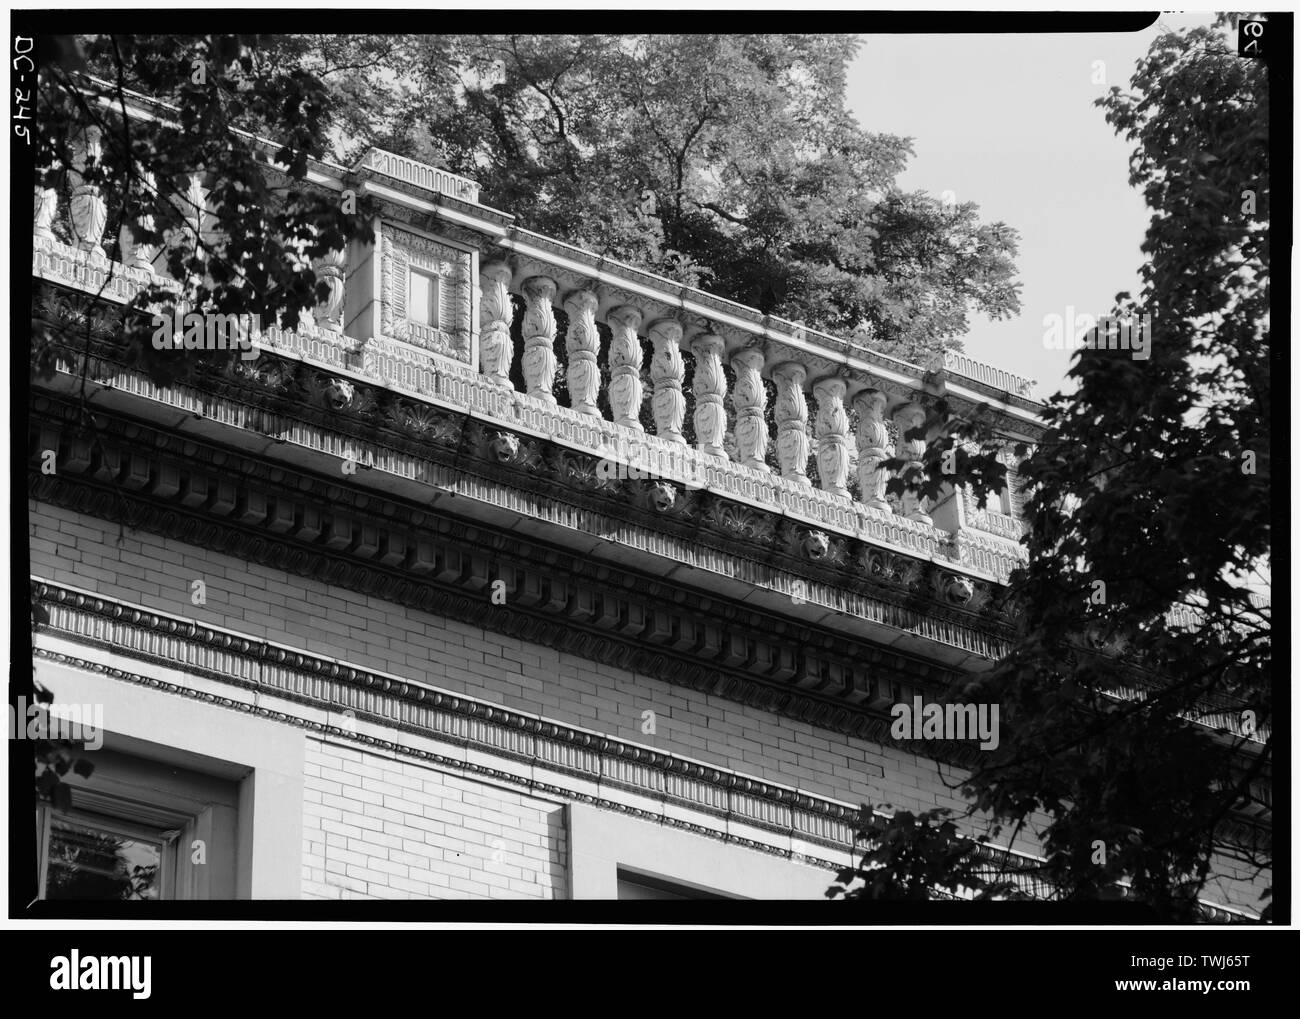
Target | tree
(728,162)
(1142,659)
(253,254)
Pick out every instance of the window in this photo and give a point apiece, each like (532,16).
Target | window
(633,885)
(139,830)
(102,857)
(422,299)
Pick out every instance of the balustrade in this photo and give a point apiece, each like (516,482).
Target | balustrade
(825,434)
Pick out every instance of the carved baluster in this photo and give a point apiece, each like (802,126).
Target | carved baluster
(873,448)
(44,211)
(710,390)
(791,412)
(539,337)
(87,211)
(495,349)
(832,436)
(625,366)
(583,344)
(667,373)
(331,268)
(750,398)
(912,452)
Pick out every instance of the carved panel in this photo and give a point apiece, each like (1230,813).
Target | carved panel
(451,269)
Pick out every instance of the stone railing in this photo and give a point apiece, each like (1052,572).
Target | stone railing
(836,403)
(956,363)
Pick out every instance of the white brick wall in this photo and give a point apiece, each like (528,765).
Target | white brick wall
(83,551)
(379,828)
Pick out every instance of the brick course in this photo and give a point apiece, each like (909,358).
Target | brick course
(369,632)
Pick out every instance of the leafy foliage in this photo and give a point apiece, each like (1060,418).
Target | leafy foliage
(916,857)
(254,255)
(1142,659)
(728,162)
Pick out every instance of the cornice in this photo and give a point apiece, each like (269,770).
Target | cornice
(558,752)
(260,512)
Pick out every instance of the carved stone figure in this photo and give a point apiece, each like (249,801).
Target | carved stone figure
(873,448)
(331,268)
(832,436)
(143,255)
(710,389)
(87,210)
(911,450)
(583,344)
(504,447)
(815,544)
(539,337)
(667,373)
(662,496)
(625,391)
(791,412)
(43,213)
(495,349)
(750,397)
(338,394)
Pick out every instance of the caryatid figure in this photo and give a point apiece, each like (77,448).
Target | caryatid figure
(750,397)
(668,373)
(583,344)
(87,210)
(539,337)
(625,392)
(873,448)
(912,451)
(791,413)
(832,436)
(710,390)
(495,348)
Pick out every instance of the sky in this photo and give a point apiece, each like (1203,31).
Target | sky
(1007,122)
